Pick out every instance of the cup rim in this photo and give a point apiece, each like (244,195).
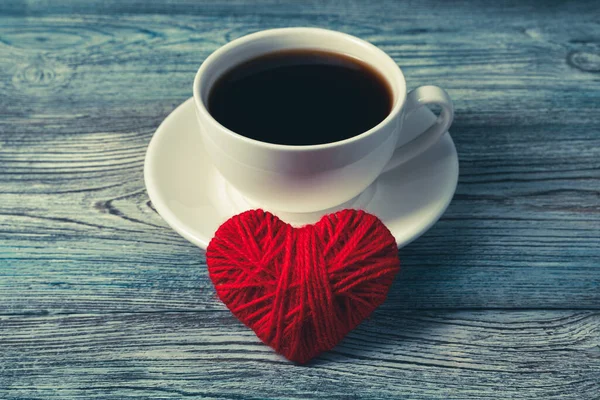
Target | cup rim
(214,57)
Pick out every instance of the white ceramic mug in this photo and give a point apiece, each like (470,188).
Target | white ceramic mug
(314,177)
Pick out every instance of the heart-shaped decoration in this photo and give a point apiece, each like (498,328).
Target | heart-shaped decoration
(302,289)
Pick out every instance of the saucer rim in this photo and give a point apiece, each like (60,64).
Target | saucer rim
(157,201)
(180,227)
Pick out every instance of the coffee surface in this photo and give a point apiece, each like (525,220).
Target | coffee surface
(300,97)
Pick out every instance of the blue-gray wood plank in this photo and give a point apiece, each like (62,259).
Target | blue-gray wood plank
(99,299)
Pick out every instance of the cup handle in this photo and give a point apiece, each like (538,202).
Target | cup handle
(414,120)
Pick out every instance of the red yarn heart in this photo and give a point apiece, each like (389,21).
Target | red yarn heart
(302,289)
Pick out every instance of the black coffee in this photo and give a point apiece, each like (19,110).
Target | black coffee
(300,97)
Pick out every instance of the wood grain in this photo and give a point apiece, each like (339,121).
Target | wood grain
(100,299)
(409,354)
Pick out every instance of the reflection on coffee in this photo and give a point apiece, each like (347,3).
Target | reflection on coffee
(300,97)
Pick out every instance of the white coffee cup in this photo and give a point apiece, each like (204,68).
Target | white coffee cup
(310,178)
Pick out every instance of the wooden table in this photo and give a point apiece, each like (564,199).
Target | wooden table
(100,299)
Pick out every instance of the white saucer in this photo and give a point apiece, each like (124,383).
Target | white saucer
(194,199)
